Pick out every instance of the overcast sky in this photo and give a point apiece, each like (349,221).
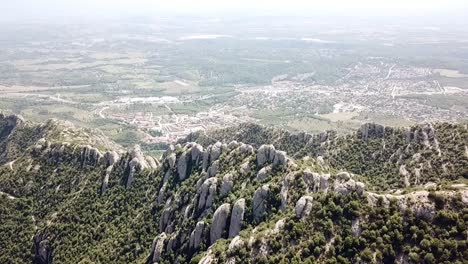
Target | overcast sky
(18,9)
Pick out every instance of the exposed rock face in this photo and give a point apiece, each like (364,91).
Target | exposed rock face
(368,131)
(246,149)
(42,250)
(197,153)
(105,181)
(303,206)
(232,145)
(111,158)
(207,193)
(280,158)
(316,182)
(152,163)
(158,247)
(417,201)
(171,160)
(226,185)
(279,226)
(214,168)
(183,165)
(265,154)
(356,227)
(236,243)
(220,218)
(405,174)
(90,156)
(344,184)
(215,151)
(263,173)
(237,216)
(259,202)
(245,168)
(197,235)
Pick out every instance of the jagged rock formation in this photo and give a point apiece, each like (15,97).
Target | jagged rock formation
(219,222)
(303,206)
(197,235)
(234,202)
(237,216)
(259,202)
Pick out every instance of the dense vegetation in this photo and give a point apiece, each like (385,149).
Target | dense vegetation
(52,202)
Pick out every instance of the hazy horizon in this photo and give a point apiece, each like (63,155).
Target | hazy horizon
(432,12)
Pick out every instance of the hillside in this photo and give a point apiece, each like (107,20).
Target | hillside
(380,195)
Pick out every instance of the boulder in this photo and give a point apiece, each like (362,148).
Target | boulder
(237,216)
(279,226)
(303,206)
(360,187)
(196,237)
(220,218)
(259,202)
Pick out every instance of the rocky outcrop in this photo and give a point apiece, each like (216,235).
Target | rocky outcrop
(138,162)
(344,184)
(42,249)
(237,216)
(197,235)
(265,154)
(260,202)
(207,193)
(246,149)
(111,158)
(157,248)
(371,131)
(196,153)
(245,168)
(418,202)
(213,169)
(236,243)
(226,185)
(215,151)
(303,206)
(280,158)
(405,174)
(316,182)
(220,218)
(263,173)
(183,165)
(105,181)
(90,156)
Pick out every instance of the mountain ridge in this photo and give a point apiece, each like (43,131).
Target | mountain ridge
(226,202)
